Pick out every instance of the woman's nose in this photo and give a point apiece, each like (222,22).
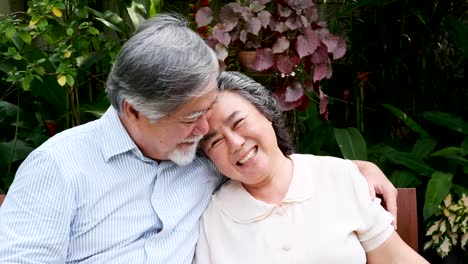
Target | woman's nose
(234,141)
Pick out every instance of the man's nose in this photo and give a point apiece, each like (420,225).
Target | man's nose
(202,126)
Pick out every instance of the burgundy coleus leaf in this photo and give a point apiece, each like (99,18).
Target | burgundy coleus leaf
(247,15)
(254,25)
(284,11)
(264,59)
(220,35)
(293,23)
(256,6)
(293,92)
(323,105)
(320,55)
(305,22)
(286,63)
(237,8)
(322,71)
(264,17)
(281,44)
(280,27)
(299,5)
(311,14)
(211,41)
(221,52)
(243,35)
(308,86)
(340,50)
(280,94)
(228,17)
(204,16)
(304,103)
(330,40)
(306,44)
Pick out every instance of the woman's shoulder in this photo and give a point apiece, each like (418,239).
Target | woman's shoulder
(320,164)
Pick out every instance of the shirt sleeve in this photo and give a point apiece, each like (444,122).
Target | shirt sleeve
(36,216)
(376,223)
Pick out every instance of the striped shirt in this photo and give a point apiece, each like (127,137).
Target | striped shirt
(88,195)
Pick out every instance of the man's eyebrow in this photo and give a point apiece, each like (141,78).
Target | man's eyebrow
(197,114)
(193,115)
(228,119)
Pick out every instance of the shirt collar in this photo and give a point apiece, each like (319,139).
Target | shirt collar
(242,207)
(116,139)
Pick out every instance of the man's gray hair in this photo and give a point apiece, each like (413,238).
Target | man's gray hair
(263,100)
(161,67)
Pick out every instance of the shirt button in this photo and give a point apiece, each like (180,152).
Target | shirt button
(280,211)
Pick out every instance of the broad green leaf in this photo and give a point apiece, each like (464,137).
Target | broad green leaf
(39,70)
(155,7)
(70,80)
(404,179)
(25,36)
(7,111)
(459,190)
(458,32)
(93,58)
(137,14)
(110,19)
(447,120)
(407,120)
(437,189)
(70,31)
(423,147)
(11,151)
(448,151)
(93,30)
(464,144)
(10,32)
(351,143)
(26,82)
(410,161)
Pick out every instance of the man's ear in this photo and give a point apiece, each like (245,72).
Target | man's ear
(130,112)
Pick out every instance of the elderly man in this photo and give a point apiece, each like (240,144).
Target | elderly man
(129,187)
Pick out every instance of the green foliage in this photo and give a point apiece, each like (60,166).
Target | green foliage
(54,60)
(351,143)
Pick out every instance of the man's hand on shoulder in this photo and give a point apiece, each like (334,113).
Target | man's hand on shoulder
(379,185)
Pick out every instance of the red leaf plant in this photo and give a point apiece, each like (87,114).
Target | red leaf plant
(289,41)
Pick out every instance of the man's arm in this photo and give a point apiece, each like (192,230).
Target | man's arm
(379,184)
(36,216)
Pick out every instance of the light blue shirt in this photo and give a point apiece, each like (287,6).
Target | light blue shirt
(88,195)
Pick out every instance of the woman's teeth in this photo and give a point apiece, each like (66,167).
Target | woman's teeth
(247,157)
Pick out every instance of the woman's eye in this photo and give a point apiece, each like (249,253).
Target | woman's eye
(216,142)
(238,122)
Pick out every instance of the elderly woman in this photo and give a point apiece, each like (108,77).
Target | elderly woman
(281,207)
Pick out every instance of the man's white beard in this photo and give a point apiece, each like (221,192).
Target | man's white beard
(185,155)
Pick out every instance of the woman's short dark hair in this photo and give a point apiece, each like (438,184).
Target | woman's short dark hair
(263,100)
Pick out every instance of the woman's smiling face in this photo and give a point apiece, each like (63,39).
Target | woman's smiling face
(241,141)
